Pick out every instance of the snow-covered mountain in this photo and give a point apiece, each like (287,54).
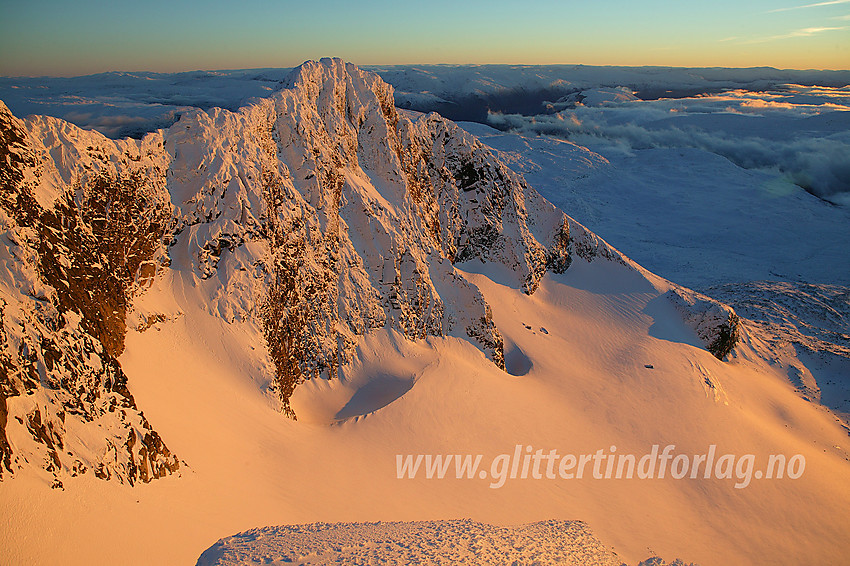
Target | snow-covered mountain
(322,254)
(317,214)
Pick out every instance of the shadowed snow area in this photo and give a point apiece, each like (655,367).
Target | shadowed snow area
(385,369)
(432,542)
(379,392)
(516,362)
(804,321)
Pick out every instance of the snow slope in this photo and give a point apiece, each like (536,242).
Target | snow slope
(698,219)
(596,356)
(588,388)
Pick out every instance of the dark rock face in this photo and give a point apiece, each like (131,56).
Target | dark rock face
(726,337)
(715,323)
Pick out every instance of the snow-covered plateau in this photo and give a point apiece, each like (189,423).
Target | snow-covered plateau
(221,340)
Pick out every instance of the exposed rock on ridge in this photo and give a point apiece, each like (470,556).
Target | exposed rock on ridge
(81,221)
(716,324)
(360,213)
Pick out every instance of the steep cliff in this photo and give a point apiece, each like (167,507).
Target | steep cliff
(337,214)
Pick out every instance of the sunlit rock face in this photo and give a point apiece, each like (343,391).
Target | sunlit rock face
(324,212)
(83,224)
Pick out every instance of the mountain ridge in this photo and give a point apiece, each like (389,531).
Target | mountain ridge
(315,216)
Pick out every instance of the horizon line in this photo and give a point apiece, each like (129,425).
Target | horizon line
(385,65)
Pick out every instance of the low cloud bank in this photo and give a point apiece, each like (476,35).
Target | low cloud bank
(758,118)
(131,104)
(123,125)
(805,135)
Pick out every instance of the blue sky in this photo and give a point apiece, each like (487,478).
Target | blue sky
(50,37)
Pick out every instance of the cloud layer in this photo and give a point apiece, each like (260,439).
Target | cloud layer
(803,132)
(750,116)
(131,104)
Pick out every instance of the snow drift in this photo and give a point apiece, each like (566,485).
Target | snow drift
(450,542)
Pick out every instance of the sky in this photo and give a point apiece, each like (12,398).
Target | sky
(62,38)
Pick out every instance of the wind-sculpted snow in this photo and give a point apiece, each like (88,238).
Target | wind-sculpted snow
(700,220)
(431,542)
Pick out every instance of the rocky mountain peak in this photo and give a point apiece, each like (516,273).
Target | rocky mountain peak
(310,218)
(79,236)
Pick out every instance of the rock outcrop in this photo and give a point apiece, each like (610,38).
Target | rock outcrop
(82,224)
(715,323)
